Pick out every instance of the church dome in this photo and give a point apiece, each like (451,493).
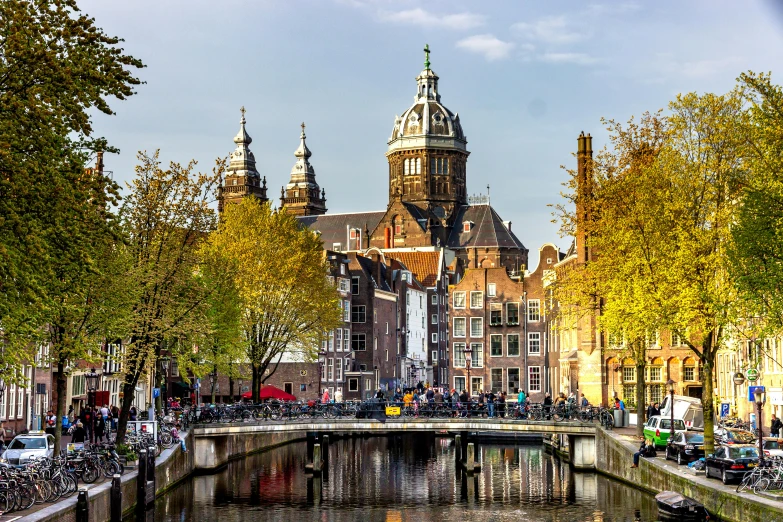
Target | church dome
(427,117)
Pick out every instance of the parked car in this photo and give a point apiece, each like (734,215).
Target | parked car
(730,463)
(773,447)
(733,436)
(30,446)
(658,428)
(685,446)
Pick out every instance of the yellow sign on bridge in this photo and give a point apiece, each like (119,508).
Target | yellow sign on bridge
(393,410)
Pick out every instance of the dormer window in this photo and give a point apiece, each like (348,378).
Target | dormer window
(467,226)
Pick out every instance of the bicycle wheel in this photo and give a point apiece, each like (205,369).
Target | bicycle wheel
(584,416)
(761,484)
(90,473)
(747,482)
(42,490)
(166,439)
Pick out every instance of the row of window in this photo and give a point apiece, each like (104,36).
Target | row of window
(496,383)
(337,341)
(332,369)
(512,309)
(495,349)
(412,166)
(651,339)
(655,373)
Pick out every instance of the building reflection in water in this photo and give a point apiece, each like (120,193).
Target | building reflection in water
(404,478)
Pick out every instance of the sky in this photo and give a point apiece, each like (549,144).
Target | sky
(526,77)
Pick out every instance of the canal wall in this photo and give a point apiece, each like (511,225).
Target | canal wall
(214,452)
(172,467)
(614,457)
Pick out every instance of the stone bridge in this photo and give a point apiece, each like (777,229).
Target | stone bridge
(216,444)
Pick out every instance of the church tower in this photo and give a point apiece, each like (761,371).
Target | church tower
(302,196)
(242,178)
(427,154)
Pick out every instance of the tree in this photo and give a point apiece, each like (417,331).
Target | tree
(55,227)
(56,67)
(279,271)
(165,216)
(757,247)
(666,249)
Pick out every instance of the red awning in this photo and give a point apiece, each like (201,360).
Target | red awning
(270,392)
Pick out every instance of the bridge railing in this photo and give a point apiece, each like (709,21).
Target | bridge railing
(279,411)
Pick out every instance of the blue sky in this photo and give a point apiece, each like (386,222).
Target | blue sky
(525,77)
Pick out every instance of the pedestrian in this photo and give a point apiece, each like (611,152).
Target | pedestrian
(777,425)
(430,395)
(338,396)
(650,410)
(87,422)
(464,402)
(502,404)
(585,402)
(520,397)
(656,409)
(397,397)
(105,413)
(79,434)
(100,426)
(325,397)
(491,403)
(618,404)
(51,422)
(646,450)
(115,416)
(133,413)
(379,394)
(70,414)
(438,399)
(547,405)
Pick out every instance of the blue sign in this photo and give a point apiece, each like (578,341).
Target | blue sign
(751,390)
(155,393)
(197,384)
(724,410)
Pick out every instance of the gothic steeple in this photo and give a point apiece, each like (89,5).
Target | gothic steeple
(302,196)
(242,178)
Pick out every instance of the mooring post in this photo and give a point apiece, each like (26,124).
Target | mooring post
(310,444)
(82,507)
(317,486)
(141,481)
(325,449)
(116,499)
(470,462)
(458,447)
(464,450)
(151,465)
(317,462)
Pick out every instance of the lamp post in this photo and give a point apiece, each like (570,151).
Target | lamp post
(91,380)
(212,380)
(468,362)
(671,384)
(239,383)
(164,365)
(758,394)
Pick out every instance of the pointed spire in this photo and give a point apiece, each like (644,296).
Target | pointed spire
(242,136)
(302,185)
(303,151)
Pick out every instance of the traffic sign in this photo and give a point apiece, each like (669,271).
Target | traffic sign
(752,374)
(752,390)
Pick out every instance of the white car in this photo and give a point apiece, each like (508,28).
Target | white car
(28,447)
(773,447)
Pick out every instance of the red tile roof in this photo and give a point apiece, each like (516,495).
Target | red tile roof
(424,265)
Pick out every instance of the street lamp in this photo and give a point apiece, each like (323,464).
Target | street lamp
(671,384)
(91,380)
(239,382)
(468,362)
(212,379)
(758,394)
(164,365)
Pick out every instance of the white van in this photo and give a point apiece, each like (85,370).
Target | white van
(688,409)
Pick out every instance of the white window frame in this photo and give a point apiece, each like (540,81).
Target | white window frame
(459,297)
(338,340)
(347,311)
(434,319)
(491,338)
(434,338)
(338,370)
(534,337)
(480,384)
(476,355)
(329,369)
(534,371)
(459,379)
(480,329)
(519,350)
(458,355)
(492,289)
(478,297)
(515,305)
(533,310)
(455,332)
(434,299)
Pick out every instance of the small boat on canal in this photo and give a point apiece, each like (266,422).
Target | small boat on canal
(676,506)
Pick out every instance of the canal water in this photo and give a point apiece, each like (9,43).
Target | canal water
(404,478)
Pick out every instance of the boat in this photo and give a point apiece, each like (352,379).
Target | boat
(676,506)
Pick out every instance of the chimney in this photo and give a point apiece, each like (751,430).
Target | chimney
(99,163)
(584,188)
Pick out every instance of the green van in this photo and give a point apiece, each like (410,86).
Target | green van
(658,429)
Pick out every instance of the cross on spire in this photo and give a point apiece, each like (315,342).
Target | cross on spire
(427,56)
(242,110)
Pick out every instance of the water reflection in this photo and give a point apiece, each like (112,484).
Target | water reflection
(404,478)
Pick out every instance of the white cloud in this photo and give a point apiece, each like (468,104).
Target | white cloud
(577,58)
(488,45)
(551,30)
(424,18)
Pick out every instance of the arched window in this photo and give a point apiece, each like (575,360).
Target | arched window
(689,369)
(655,381)
(418,165)
(405,166)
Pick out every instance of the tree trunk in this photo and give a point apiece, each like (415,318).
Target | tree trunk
(641,363)
(128,391)
(255,383)
(231,388)
(708,363)
(62,385)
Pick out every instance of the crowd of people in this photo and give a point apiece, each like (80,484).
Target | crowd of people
(93,424)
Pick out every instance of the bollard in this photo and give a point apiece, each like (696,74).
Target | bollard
(470,463)
(141,482)
(151,465)
(82,507)
(317,462)
(116,499)
(325,450)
